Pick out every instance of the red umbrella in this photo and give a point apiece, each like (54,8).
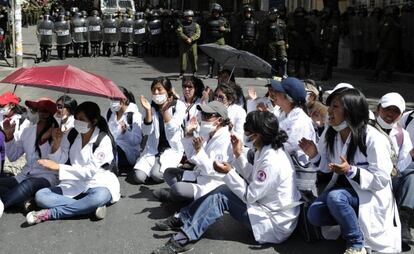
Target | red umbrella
(65,78)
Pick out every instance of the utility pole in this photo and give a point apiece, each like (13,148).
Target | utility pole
(17,33)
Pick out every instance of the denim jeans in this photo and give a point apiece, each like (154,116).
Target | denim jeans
(205,211)
(338,206)
(61,206)
(403,187)
(13,192)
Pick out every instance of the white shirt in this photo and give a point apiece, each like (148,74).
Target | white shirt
(86,170)
(24,143)
(297,125)
(266,187)
(252,105)
(403,150)
(130,140)
(15,119)
(191,111)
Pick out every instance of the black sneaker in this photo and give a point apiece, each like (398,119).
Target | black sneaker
(163,195)
(171,223)
(173,247)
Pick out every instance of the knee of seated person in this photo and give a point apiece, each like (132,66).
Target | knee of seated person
(139,176)
(313,215)
(335,197)
(41,195)
(157,176)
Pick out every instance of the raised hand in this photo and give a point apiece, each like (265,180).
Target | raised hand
(341,168)
(251,92)
(198,143)
(222,167)
(308,147)
(145,103)
(9,129)
(237,145)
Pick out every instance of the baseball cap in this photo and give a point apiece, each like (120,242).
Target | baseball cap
(393,99)
(292,87)
(44,103)
(214,107)
(9,97)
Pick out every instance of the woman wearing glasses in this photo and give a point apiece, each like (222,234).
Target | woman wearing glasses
(193,96)
(35,142)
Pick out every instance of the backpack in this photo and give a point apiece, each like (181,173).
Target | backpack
(306,176)
(308,231)
(108,166)
(129,117)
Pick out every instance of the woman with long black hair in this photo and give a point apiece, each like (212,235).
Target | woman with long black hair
(359,196)
(35,142)
(163,120)
(83,159)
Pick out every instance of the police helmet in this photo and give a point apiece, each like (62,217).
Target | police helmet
(247,8)
(216,7)
(188,13)
(95,13)
(273,11)
(139,15)
(300,11)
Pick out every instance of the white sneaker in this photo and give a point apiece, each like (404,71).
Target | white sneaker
(100,212)
(355,251)
(1,208)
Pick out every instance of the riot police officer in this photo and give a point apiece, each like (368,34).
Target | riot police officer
(217,26)
(155,34)
(140,34)
(80,34)
(63,37)
(45,33)
(4,25)
(168,33)
(126,29)
(249,33)
(110,35)
(188,33)
(329,39)
(407,35)
(277,43)
(300,40)
(95,33)
(356,36)
(85,51)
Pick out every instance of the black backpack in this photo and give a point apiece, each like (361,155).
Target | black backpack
(129,117)
(108,166)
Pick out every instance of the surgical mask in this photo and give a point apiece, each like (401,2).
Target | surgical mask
(32,117)
(5,110)
(247,141)
(159,98)
(115,106)
(81,126)
(206,128)
(383,124)
(340,126)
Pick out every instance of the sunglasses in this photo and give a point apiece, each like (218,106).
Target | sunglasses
(60,106)
(220,98)
(207,116)
(188,87)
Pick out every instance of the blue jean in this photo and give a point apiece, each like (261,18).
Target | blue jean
(205,211)
(338,206)
(13,192)
(403,187)
(61,206)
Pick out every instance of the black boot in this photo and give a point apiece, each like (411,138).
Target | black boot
(405,215)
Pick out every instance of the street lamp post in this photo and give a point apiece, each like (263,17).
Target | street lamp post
(17,33)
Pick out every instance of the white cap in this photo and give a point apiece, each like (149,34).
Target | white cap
(393,99)
(338,86)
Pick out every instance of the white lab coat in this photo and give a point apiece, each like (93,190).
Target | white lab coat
(86,170)
(297,125)
(68,125)
(268,185)
(217,148)
(130,141)
(377,210)
(24,143)
(172,156)
(403,151)
(252,105)
(237,116)
(15,119)
(410,127)
(191,111)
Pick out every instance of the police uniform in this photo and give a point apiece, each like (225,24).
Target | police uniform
(188,50)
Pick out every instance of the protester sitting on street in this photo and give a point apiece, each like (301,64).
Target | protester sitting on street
(290,96)
(319,115)
(33,141)
(359,197)
(204,142)
(83,159)
(11,110)
(162,124)
(261,196)
(312,92)
(64,115)
(407,123)
(237,115)
(225,78)
(264,103)
(125,123)
(390,109)
(193,96)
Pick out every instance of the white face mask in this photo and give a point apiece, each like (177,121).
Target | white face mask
(81,126)
(32,117)
(115,106)
(383,124)
(206,128)
(159,98)
(247,141)
(340,126)
(4,111)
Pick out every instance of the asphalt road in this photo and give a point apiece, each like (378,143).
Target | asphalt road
(128,227)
